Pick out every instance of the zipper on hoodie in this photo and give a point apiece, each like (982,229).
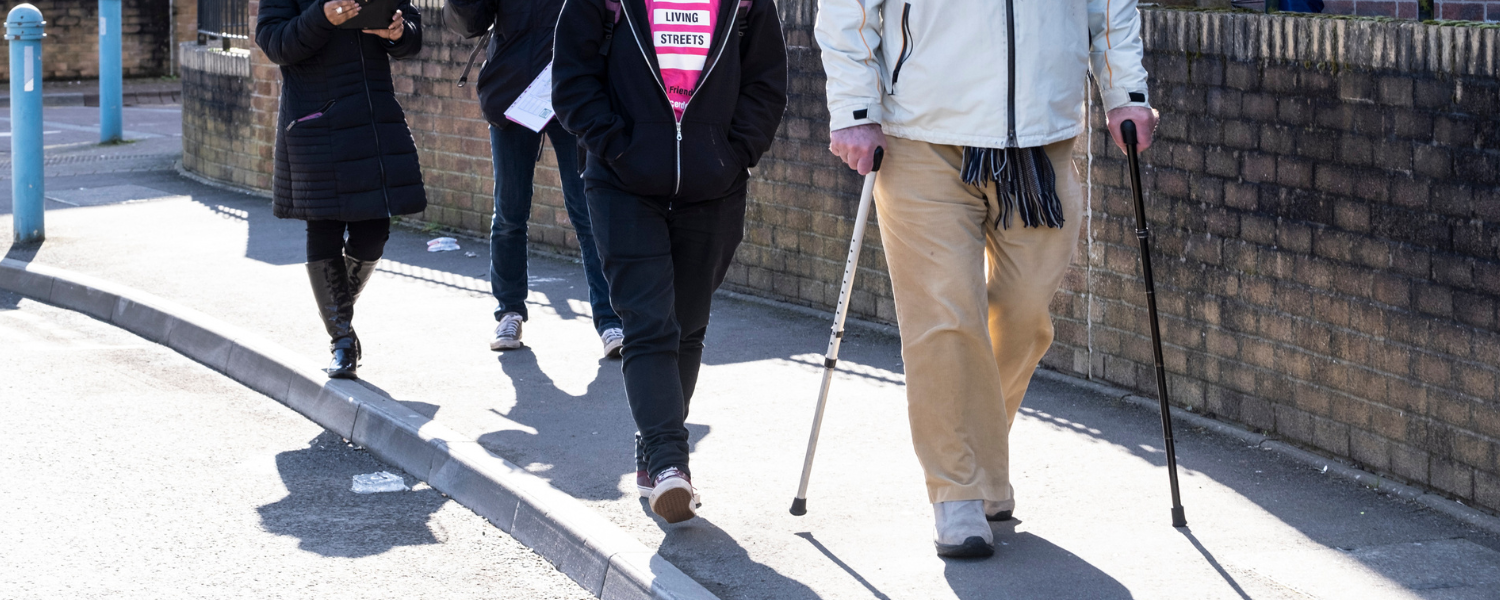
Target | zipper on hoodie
(364,78)
(656,76)
(908,44)
(1010,34)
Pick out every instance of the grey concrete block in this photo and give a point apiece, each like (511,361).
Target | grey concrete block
(475,482)
(15,276)
(391,432)
(200,343)
(645,575)
(143,319)
(89,300)
(259,371)
(566,547)
(331,403)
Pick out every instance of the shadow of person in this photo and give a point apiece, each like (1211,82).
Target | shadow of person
(1067,575)
(688,542)
(553,433)
(329,519)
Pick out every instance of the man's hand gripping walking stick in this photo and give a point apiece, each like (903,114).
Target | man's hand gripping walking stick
(1143,233)
(831,359)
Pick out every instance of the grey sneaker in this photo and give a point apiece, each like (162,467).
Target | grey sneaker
(961,530)
(614,339)
(507,333)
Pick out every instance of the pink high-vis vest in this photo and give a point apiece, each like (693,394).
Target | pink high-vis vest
(682,31)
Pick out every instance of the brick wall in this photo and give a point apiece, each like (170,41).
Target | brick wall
(1324,195)
(71,48)
(228,117)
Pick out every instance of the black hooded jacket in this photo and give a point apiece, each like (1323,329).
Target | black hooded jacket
(343,150)
(519,50)
(617,106)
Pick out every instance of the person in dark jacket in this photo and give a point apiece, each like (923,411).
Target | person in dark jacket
(345,160)
(674,103)
(519,49)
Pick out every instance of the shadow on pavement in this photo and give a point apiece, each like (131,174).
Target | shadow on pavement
(1315,505)
(549,422)
(329,519)
(807,535)
(689,540)
(1026,552)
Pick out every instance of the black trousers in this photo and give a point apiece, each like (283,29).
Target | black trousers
(664,261)
(325,239)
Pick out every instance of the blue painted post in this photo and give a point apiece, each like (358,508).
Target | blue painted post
(23,28)
(111,70)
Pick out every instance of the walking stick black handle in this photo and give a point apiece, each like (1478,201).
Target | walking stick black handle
(1127,132)
(879,156)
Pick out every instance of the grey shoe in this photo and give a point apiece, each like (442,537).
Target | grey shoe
(507,333)
(614,339)
(961,530)
(999,510)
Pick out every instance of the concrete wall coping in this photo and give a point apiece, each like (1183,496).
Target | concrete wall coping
(594,552)
(1455,48)
(234,62)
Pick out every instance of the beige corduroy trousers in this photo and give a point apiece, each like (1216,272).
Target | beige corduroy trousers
(972,304)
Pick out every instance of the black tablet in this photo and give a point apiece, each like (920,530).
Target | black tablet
(373,14)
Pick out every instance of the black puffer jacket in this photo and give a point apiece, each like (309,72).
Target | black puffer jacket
(343,150)
(615,103)
(519,50)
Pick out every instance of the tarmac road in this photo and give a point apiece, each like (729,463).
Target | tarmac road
(135,472)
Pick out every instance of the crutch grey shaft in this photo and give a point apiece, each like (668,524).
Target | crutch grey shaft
(831,358)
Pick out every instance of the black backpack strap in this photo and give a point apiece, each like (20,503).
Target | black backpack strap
(484,43)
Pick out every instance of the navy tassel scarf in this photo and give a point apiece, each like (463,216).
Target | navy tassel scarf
(1025,181)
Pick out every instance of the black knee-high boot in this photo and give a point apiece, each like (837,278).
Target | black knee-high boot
(335,297)
(359,273)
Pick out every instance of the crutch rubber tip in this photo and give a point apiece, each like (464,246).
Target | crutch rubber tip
(799,506)
(1178,518)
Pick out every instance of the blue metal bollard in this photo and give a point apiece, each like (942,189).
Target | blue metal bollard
(111,69)
(23,27)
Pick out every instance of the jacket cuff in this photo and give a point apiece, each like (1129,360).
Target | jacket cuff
(849,114)
(1117,97)
(315,16)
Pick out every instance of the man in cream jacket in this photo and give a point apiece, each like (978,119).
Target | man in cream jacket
(977,104)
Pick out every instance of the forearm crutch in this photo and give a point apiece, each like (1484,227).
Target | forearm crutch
(1143,233)
(831,359)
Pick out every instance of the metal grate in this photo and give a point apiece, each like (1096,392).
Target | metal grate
(223,19)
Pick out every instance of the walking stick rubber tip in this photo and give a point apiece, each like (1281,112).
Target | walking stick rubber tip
(799,506)
(1178,518)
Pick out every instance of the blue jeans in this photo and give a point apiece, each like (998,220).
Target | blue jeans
(515,150)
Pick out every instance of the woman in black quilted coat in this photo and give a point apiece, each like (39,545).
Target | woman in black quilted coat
(345,160)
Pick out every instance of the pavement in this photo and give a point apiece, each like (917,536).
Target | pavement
(138,473)
(1092,519)
(85,92)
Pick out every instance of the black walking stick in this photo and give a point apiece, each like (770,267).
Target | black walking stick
(1143,233)
(831,359)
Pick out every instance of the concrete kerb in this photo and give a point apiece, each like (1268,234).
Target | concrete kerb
(1467,514)
(595,553)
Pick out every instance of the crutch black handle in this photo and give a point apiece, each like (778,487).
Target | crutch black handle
(1143,234)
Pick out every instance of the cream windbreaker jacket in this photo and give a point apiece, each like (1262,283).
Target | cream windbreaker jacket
(963,72)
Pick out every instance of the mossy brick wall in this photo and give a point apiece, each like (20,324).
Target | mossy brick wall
(71,48)
(1324,198)
(1325,201)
